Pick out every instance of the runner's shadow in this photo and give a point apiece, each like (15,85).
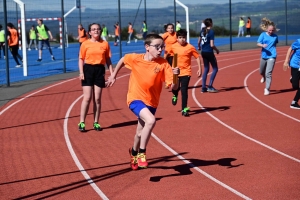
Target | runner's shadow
(281,91)
(129,123)
(226,89)
(185,169)
(208,109)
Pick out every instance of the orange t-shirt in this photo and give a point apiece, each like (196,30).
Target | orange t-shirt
(169,40)
(146,78)
(130,29)
(95,52)
(13,38)
(82,35)
(248,25)
(117,31)
(184,57)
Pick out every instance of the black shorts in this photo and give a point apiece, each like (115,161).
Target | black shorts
(93,75)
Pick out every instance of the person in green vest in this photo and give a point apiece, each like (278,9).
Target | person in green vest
(43,33)
(144,29)
(2,41)
(32,37)
(104,32)
(241,27)
(178,26)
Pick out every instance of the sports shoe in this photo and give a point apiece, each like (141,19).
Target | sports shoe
(17,66)
(203,90)
(81,127)
(52,58)
(133,161)
(262,80)
(174,100)
(291,80)
(212,89)
(295,106)
(29,49)
(185,112)
(266,91)
(141,160)
(97,126)
(39,60)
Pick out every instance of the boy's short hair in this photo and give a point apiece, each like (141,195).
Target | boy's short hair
(181,32)
(150,37)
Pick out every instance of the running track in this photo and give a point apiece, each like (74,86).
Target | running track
(237,144)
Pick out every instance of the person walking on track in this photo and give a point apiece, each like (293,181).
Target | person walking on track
(292,60)
(267,41)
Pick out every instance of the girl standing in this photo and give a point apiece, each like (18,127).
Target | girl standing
(169,38)
(94,54)
(267,41)
(206,39)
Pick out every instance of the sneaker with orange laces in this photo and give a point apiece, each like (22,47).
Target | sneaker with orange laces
(133,161)
(141,160)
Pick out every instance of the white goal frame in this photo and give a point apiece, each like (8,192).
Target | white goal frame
(44,19)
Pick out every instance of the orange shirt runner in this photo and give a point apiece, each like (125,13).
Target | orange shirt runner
(169,40)
(148,73)
(94,52)
(184,57)
(13,38)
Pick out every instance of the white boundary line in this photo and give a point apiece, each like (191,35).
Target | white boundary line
(246,86)
(231,128)
(11,105)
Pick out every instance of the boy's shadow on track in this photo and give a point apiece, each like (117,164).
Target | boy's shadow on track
(223,89)
(208,109)
(185,169)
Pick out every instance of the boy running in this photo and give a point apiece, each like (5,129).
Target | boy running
(144,92)
(185,52)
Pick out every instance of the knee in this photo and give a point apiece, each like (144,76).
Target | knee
(151,122)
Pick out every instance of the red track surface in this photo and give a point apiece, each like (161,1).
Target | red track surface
(235,148)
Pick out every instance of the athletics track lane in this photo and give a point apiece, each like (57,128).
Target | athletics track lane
(36,144)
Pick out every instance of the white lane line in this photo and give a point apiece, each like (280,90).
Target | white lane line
(11,105)
(198,169)
(246,86)
(75,158)
(231,128)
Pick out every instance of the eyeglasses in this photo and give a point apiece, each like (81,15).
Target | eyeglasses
(157,47)
(95,29)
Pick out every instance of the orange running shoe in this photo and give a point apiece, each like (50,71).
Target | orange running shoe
(133,161)
(141,160)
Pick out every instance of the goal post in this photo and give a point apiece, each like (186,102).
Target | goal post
(44,19)
(187,19)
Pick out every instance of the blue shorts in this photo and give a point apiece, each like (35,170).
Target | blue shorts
(137,105)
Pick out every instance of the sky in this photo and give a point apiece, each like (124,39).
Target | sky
(104,4)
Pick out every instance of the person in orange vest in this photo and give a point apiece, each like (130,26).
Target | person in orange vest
(117,34)
(82,36)
(248,27)
(13,43)
(130,31)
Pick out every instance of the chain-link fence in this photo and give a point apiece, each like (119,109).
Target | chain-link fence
(62,17)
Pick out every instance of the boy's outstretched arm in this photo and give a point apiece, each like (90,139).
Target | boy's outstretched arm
(112,79)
